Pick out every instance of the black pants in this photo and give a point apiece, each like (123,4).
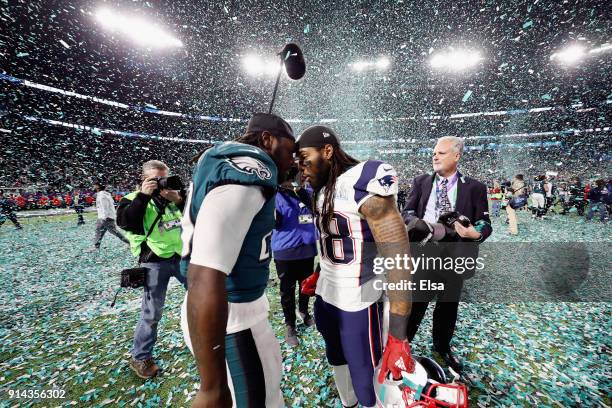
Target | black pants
(290,272)
(445,311)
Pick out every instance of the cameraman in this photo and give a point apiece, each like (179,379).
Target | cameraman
(448,207)
(152,219)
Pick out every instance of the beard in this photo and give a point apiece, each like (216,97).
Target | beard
(323,168)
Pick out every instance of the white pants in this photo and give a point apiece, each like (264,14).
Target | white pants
(254,356)
(538,200)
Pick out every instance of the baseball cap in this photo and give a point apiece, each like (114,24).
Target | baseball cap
(317,136)
(268,122)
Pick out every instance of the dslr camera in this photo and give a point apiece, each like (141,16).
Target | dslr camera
(168,183)
(450,218)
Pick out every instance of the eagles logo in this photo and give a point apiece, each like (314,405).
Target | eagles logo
(250,165)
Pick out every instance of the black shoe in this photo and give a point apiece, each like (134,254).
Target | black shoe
(291,336)
(451,361)
(306,319)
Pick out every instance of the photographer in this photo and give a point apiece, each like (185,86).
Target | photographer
(451,208)
(152,219)
(518,199)
(597,197)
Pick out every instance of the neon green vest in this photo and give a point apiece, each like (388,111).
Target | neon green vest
(165,238)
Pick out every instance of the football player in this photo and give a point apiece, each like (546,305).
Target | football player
(356,211)
(227,226)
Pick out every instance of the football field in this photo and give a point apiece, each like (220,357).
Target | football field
(57,330)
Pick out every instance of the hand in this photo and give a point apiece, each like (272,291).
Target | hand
(172,195)
(309,285)
(419,231)
(213,399)
(396,358)
(149,186)
(468,232)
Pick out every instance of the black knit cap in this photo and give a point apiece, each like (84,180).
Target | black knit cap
(317,136)
(268,122)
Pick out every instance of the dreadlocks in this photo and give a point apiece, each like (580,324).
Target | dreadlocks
(340,162)
(251,138)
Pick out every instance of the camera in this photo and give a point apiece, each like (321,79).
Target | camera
(449,219)
(169,183)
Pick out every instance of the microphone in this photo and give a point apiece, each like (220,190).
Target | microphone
(293,59)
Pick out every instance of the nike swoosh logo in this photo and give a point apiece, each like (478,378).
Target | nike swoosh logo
(388,169)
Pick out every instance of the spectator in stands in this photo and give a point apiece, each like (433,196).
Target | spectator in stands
(21,202)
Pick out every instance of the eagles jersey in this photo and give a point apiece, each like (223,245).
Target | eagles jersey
(347,253)
(538,187)
(227,164)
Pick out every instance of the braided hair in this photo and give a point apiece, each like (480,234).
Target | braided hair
(340,162)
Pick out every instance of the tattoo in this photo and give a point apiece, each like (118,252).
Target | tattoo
(391,238)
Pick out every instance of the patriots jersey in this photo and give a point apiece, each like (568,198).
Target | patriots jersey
(236,163)
(347,253)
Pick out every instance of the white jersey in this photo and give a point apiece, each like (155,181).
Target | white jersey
(347,253)
(105,205)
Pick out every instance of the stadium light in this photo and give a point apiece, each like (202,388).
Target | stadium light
(381,64)
(455,60)
(600,49)
(571,55)
(256,66)
(140,31)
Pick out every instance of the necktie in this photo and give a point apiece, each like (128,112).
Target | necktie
(443,204)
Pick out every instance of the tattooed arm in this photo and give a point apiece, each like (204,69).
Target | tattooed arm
(391,237)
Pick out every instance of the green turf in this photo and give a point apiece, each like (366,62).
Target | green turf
(57,330)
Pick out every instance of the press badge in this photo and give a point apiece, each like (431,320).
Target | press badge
(305,219)
(169,225)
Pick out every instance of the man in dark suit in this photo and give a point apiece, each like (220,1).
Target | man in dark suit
(432,198)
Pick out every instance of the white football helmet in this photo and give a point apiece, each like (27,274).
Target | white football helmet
(426,387)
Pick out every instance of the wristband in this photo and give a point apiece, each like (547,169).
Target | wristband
(398,326)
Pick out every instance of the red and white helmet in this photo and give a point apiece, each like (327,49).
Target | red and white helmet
(426,387)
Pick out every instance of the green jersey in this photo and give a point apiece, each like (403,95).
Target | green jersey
(236,163)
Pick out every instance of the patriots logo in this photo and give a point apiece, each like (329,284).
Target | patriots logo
(387,181)
(250,165)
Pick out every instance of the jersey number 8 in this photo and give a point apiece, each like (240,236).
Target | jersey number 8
(338,247)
